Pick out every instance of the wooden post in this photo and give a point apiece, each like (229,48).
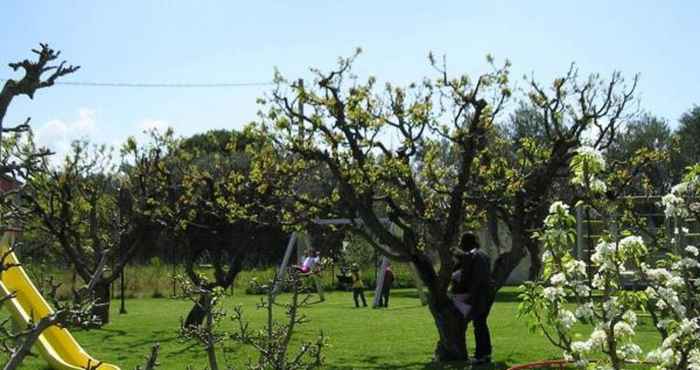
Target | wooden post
(580,239)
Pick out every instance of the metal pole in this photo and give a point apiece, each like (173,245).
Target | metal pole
(285,262)
(380,283)
(122,283)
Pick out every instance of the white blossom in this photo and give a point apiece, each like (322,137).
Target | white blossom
(675,282)
(566,319)
(689,263)
(623,329)
(581,347)
(632,244)
(592,155)
(575,267)
(582,289)
(585,311)
(630,317)
(694,360)
(689,327)
(658,275)
(558,279)
(546,255)
(598,337)
(629,351)
(598,281)
(692,250)
(679,189)
(673,206)
(558,207)
(598,186)
(553,294)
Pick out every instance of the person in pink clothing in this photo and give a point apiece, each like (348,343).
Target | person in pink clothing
(310,262)
(311,267)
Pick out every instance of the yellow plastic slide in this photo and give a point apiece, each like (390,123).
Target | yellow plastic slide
(56,345)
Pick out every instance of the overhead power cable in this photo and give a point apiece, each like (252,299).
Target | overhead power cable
(160,85)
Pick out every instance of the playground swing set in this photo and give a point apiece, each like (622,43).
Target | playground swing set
(299,241)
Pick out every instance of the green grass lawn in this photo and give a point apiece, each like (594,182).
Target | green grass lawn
(400,337)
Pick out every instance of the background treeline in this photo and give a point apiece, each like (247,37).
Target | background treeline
(150,270)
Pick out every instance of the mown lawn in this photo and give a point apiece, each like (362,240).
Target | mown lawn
(400,337)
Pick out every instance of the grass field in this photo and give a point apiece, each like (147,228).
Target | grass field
(400,337)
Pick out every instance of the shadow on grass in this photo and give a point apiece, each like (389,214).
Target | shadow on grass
(503,295)
(372,362)
(508,296)
(112,333)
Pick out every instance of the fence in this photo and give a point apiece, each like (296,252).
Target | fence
(590,227)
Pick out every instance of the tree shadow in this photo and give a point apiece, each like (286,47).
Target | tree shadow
(374,362)
(111,333)
(508,296)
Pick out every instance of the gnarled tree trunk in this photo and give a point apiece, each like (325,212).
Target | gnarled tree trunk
(197,314)
(450,323)
(452,327)
(102,295)
(508,261)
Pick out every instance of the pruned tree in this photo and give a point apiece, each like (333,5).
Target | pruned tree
(32,81)
(519,177)
(75,205)
(210,204)
(273,341)
(17,160)
(345,126)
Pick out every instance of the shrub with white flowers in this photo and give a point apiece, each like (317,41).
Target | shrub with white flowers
(585,166)
(569,293)
(674,283)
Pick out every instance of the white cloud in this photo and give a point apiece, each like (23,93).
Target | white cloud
(58,134)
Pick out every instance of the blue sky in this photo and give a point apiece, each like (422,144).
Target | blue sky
(243,41)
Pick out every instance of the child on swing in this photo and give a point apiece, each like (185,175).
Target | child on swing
(311,267)
(310,261)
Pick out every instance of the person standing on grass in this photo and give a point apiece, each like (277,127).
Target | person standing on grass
(480,291)
(358,287)
(386,287)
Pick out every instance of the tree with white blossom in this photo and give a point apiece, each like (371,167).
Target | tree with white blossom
(565,296)
(673,284)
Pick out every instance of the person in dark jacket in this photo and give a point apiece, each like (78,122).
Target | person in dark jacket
(475,266)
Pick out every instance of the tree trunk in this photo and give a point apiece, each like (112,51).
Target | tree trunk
(508,261)
(450,323)
(103,300)
(535,260)
(452,327)
(197,313)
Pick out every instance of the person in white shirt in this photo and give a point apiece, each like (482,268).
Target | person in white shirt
(311,267)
